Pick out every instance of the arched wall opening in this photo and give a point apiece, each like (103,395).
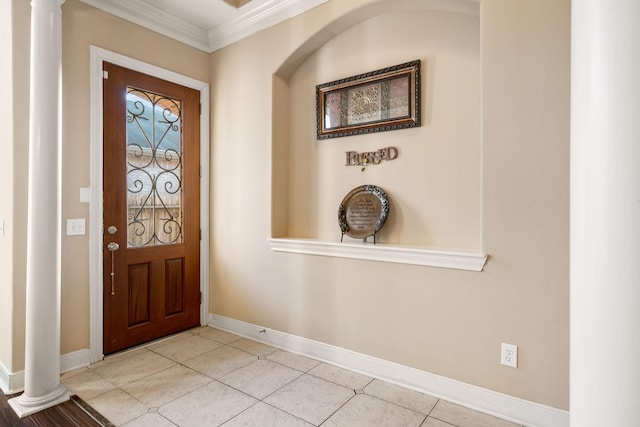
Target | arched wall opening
(434,185)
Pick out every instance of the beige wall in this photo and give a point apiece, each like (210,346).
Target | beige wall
(84,26)
(6,177)
(434,185)
(14,146)
(446,322)
(443,321)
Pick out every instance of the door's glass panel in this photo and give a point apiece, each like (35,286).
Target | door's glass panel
(154,169)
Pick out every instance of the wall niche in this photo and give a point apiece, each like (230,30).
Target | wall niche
(434,186)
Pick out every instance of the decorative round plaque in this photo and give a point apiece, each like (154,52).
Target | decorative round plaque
(363,212)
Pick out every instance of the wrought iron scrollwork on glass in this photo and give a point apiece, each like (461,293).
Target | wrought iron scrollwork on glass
(154,169)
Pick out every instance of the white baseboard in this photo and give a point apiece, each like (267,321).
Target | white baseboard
(13,382)
(507,407)
(75,360)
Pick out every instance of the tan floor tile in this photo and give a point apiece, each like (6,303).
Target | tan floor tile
(112,358)
(117,406)
(253,347)
(220,362)
(341,376)
(401,396)
(261,378)
(165,386)
(87,384)
(156,391)
(208,406)
(185,348)
(150,420)
(74,372)
(310,398)
(432,422)
(294,361)
(264,415)
(217,335)
(465,417)
(139,365)
(169,339)
(365,411)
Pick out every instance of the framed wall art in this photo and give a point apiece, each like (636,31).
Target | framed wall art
(381,100)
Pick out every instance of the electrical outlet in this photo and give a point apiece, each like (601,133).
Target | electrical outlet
(509,355)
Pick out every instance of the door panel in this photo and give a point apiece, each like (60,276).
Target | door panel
(151,208)
(174,274)
(139,304)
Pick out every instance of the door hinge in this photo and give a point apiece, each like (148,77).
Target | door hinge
(200,234)
(200,171)
(105,74)
(200,108)
(200,297)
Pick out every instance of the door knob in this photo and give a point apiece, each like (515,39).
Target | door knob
(113,246)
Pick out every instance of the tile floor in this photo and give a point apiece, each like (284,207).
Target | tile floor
(208,377)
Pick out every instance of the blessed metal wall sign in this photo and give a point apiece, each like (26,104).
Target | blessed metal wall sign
(371,157)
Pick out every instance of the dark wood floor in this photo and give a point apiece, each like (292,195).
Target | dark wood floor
(74,412)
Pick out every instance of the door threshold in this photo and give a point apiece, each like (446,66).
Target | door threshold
(149,343)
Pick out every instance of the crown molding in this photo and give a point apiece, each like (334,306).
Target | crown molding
(266,14)
(141,13)
(251,18)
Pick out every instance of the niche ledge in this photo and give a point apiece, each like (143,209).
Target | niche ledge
(382,252)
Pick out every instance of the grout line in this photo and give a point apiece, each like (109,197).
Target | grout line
(240,413)
(341,406)
(258,357)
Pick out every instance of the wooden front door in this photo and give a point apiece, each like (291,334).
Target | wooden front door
(151,201)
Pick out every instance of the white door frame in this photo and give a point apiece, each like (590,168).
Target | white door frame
(96,312)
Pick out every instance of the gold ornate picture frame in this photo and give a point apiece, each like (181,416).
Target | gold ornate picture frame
(377,101)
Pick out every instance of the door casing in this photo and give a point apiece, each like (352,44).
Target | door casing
(96,312)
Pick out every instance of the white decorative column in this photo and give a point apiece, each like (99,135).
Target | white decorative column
(605,213)
(42,349)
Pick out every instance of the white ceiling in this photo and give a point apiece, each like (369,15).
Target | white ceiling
(205,24)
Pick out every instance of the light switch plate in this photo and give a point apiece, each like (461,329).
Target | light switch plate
(85,195)
(75,227)
(1,227)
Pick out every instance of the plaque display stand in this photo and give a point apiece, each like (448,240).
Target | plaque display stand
(363,212)
(364,240)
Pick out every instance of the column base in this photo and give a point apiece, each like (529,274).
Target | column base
(25,405)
